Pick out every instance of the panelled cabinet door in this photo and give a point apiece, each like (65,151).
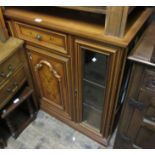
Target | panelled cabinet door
(137,123)
(94,78)
(142,125)
(51,76)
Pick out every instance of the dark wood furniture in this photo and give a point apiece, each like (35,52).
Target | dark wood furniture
(20,112)
(15,89)
(137,122)
(77,60)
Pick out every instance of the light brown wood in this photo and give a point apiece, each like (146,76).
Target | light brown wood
(86,29)
(51,78)
(9,48)
(116,20)
(56,66)
(42,37)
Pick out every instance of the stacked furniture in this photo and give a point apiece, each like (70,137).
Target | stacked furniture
(137,122)
(77,60)
(17,103)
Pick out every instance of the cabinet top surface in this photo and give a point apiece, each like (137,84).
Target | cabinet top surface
(91,29)
(145,48)
(9,47)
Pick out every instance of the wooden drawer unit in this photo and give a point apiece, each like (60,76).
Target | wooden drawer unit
(49,39)
(9,67)
(10,87)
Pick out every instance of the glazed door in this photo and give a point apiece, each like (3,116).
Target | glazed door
(94,67)
(51,77)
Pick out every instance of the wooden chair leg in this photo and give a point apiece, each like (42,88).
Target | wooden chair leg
(2,143)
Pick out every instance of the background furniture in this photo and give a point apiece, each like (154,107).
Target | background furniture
(77,60)
(137,122)
(15,88)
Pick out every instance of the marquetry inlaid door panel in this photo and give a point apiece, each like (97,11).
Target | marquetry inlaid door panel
(51,76)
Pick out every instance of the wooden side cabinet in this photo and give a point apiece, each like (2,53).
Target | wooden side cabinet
(51,76)
(77,69)
(137,123)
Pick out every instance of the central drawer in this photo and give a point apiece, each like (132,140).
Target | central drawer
(12,86)
(46,38)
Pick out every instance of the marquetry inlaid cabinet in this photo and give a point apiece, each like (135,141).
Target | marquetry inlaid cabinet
(77,60)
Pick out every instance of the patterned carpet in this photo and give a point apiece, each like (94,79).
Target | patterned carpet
(46,132)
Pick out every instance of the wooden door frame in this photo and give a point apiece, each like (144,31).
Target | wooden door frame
(113,73)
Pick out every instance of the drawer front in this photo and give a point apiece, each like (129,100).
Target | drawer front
(12,86)
(9,67)
(42,37)
(149,79)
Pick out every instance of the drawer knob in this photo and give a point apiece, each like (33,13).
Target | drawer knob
(38,37)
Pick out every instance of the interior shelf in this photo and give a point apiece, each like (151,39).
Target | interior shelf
(94,83)
(91,116)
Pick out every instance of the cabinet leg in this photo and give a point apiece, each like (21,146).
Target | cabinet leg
(11,127)
(30,108)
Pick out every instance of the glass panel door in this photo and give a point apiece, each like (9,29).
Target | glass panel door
(93,82)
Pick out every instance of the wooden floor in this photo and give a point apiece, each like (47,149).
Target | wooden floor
(46,132)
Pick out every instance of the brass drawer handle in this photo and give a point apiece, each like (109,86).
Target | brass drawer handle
(38,37)
(14,89)
(9,74)
(11,69)
(2,74)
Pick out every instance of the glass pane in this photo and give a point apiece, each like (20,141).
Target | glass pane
(94,67)
(93,87)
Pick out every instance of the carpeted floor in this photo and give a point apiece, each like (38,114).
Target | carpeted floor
(46,132)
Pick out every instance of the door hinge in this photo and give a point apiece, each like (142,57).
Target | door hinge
(136,104)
